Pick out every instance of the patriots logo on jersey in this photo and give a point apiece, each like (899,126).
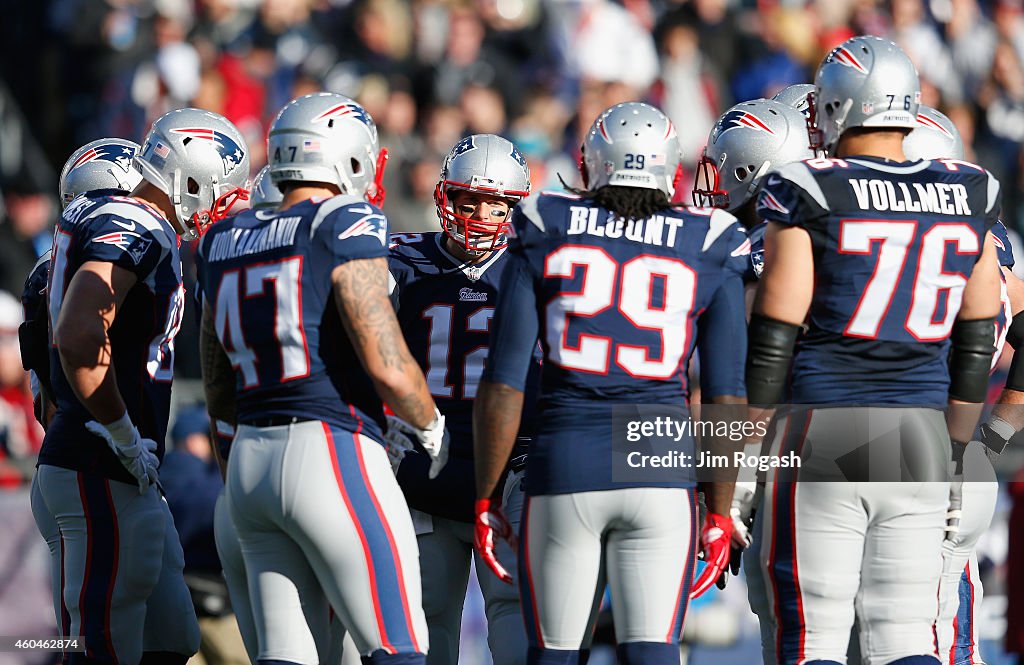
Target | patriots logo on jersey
(844,57)
(230,152)
(370,224)
(120,155)
(347,110)
(120,239)
(740,118)
(771,203)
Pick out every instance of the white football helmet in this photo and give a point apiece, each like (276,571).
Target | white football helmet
(326,137)
(797,96)
(482,163)
(632,145)
(747,142)
(101,164)
(864,82)
(265,195)
(934,137)
(199,160)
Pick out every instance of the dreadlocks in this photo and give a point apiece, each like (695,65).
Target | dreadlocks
(626,202)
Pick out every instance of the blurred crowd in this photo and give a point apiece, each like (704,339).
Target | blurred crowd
(432,71)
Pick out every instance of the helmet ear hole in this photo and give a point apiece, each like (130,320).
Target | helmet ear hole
(192,185)
(187,140)
(357,166)
(741,172)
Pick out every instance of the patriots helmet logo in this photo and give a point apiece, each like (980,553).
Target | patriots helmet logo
(741,118)
(463,146)
(347,110)
(119,155)
(926,121)
(843,56)
(231,153)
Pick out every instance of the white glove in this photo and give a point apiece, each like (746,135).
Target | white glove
(742,513)
(434,439)
(138,455)
(397,442)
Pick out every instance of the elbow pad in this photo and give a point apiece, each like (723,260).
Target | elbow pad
(769,353)
(970,359)
(1015,335)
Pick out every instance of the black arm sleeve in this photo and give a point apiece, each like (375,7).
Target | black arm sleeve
(970,359)
(1015,335)
(769,353)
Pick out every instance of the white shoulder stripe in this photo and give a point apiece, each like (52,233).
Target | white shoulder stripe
(719,223)
(41,260)
(993,191)
(529,208)
(798,174)
(329,206)
(134,212)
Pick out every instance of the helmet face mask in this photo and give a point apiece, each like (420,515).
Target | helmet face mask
(632,145)
(748,141)
(490,167)
(199,160)
(328,138)
(101,164)
(864,82)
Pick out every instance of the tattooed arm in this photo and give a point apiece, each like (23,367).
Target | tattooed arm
(361,291)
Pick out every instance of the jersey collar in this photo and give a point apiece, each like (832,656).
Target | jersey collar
(473,272)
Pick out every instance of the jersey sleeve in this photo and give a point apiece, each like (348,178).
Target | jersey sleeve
(790,196)
(515,326)
(756,264)
(995,202)
(1004,250)
(125,242)
(722,340)
(527,226)
(351,229)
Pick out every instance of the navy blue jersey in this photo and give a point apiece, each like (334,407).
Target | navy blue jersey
(267,278)
(445,308)
(894,245)
(137,238)
(616,305)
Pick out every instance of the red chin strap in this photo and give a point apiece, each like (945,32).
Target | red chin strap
(378,179)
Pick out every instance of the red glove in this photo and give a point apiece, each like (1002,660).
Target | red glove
(715,540)
(489,525)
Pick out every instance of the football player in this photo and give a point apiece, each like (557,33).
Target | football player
(611,280)
(115,300)
(445,293)
(748,141)
(972,501)
(298,299)
(796,95)
(894,265)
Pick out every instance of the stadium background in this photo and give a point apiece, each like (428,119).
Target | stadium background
(429,72)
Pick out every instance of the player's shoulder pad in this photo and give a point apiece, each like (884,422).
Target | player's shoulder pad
(804,175)
(534,215)
(350,216)
(946,166)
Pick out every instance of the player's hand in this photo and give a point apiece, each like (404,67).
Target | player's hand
(715,541)
(489,525)
(742,514)
(136,454)
(434,439)
(396,441)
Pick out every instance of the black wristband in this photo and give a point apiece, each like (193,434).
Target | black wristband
(971,359)
(769,353)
